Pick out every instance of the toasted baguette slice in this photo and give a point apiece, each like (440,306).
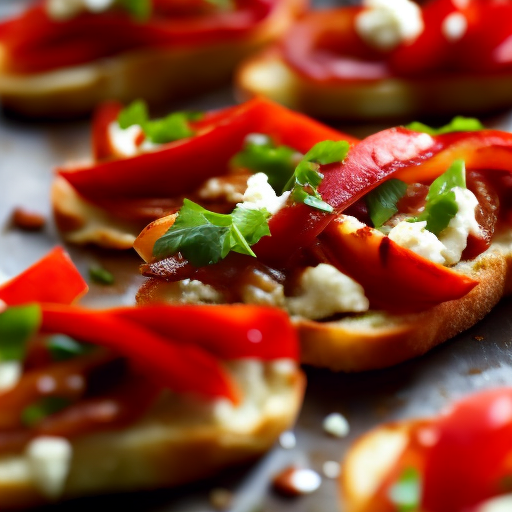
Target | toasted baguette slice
(181,439)
(268,74)
(157,75)
(377,339)
(81,222)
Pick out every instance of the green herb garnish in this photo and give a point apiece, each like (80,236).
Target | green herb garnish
(35,413)
(62,347)
(441,205)
(406,493)
(457,124)
(382,201)
(99,275)
(140,10)
(260,154)
(205,237)
(18,324)
(173,127)
(306,179)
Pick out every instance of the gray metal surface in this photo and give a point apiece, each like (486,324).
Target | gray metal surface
(480,358)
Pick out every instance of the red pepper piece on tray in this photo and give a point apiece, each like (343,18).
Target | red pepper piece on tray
(54,278)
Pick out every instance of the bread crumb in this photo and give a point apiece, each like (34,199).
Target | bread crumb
(221,499)
(28,220)
(478,338)
(336,425)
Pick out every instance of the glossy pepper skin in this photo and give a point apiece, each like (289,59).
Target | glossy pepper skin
(178,167)
(178,346)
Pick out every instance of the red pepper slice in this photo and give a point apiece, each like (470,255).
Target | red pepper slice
(229,332)
(35,43)
(393,277)
(397,152)
(54,278)
(181,367)
(105,114)
(177,168)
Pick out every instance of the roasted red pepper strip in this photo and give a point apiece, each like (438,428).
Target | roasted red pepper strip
(393,277)
(229,332)
(54,278)
(36,43)
(177,168)
(181,367)
(397,152)
(103,116)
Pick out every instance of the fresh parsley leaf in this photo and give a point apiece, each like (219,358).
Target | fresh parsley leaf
(306,178)
(173,127)
(62,347)
(18,324)
(441,205)
(205,237)
(457,124)
(140,10)
(134,113)
(35,413)
(406,493)
(101,276)
(260,154)
(382,200)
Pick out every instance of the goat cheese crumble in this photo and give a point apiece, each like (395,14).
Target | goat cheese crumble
(384,24)
(327,291)
(499,504)
(61,10)
(124,141)
(259,194)
(448,247)
(454,26)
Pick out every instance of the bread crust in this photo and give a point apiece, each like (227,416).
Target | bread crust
(267,74)
(157,75)
(172,445)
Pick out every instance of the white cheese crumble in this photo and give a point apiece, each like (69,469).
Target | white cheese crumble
(448,247)
(259,194)
(61,10)
(454,26)
(384,24)
(124,140)
(287,440)
(196,292)
(415,237)
(336,425)
(327,291)
(331,469)
(10,374)
(214,188)
(499,504)
(49,460)
(305,481)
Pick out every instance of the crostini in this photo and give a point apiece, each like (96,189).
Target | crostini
(456,462)
(102,401)
(390,59)
(61,58)
(379,250)
(143,168)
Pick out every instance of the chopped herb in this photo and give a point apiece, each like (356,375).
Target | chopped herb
(306,179)
(35,413)
(260,154)
(140,10)
(457,124)
(17,326)
(406,493)
(382,201)
(101,276)
(205,237)
(173,127)
(441,205)
(62,347)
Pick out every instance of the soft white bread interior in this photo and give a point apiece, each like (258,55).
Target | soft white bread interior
(378,339)
(82,222)
(268,74)
(368,462)
(181,439)
(157,75)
